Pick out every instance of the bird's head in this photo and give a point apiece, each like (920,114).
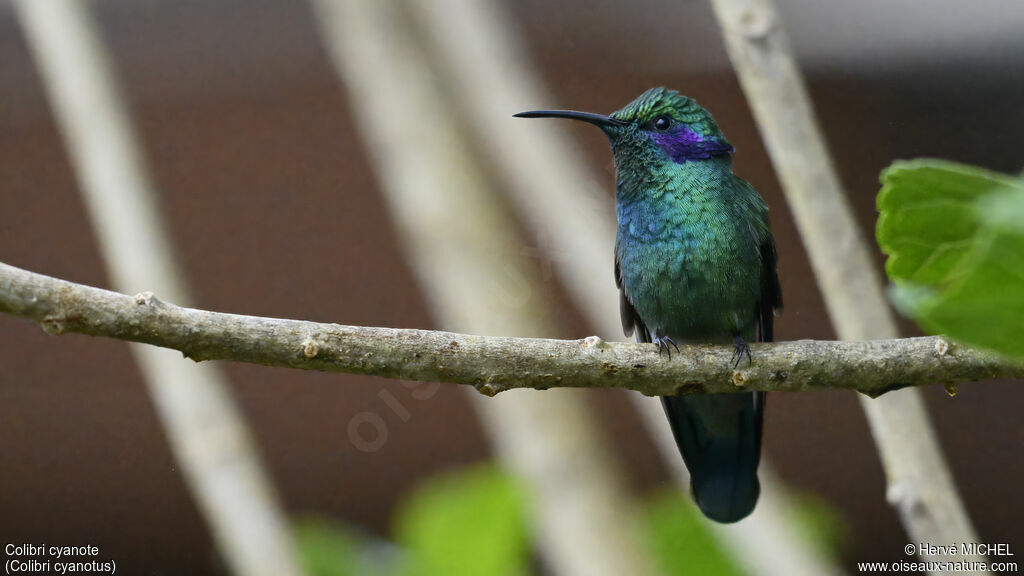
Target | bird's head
(661,124)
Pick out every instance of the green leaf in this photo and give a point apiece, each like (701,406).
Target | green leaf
(327,549)
(955,239)
(681,541)
(472,522)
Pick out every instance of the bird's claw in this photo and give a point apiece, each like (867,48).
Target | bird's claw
(663,342)
(740,347)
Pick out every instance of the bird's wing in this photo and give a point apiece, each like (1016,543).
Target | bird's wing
(770,302)
(627,313)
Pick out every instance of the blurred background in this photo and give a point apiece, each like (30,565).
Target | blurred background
(275,208)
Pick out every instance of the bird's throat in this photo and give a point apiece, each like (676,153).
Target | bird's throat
(648,179)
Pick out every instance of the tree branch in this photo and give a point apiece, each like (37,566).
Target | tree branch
(491,364)
(461,245)
(214,450)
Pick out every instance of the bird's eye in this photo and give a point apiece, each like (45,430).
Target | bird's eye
(662,123)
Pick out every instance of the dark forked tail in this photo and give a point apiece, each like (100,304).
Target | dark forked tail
(719,437)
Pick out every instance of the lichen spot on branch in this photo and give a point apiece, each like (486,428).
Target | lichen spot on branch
(310,348)
(146,299)
(739,379)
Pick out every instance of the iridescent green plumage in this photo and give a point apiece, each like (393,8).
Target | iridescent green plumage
(682,109)
(695,262)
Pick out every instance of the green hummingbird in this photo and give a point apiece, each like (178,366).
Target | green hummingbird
(694,262)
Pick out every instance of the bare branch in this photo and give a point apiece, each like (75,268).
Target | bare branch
(920,485)
(547,176)
(461,245)
(491,364)
(204,428)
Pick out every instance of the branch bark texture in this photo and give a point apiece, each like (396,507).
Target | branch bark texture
(491,364)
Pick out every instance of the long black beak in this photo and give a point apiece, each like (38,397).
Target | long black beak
(595,119)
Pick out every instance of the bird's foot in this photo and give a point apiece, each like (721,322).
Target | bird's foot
(739,348)
(663,345)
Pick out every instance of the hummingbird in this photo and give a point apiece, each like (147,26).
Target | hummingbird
(694,263)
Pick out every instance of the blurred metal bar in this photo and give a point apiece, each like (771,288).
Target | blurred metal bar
(548,178)
(920,484)
(205,430)
(466,254)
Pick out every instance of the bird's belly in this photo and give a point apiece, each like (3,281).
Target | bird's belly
(693,294)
